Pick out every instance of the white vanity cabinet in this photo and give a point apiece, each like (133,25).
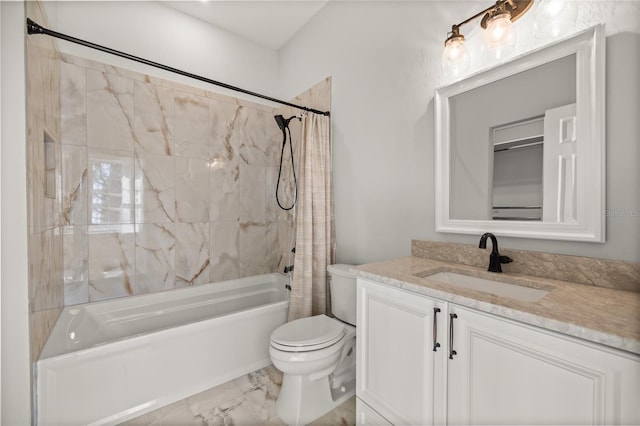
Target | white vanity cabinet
(397,373)
(487,370)
(506,372)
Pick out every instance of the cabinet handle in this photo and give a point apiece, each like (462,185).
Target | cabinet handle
(436,345)
(451,351)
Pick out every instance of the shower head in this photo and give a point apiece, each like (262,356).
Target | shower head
(281,121)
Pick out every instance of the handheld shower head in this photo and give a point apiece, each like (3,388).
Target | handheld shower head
(281,121)
(283,124)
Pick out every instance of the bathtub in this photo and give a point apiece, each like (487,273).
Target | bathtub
(107,362)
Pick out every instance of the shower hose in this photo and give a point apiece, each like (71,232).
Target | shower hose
(285,129)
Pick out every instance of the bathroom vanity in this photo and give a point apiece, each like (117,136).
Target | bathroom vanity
(436,353)
(555,339)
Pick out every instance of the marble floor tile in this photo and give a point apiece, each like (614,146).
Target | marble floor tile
(344,414)
(246,400)
(261,388)
(238,411)
(276,422)
(211,398)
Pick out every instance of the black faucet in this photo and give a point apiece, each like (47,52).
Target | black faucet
(495,259)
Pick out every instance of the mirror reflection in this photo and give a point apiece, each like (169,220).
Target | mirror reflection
(498,150)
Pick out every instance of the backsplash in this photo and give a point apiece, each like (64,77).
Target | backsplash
(614,274)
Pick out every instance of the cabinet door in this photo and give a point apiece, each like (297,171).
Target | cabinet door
(504,372)
(396,358)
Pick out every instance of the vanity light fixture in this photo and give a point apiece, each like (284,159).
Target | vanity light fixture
(499,37)
(455,58)
(555,18)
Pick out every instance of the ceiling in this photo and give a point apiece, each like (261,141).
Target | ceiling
(268,23)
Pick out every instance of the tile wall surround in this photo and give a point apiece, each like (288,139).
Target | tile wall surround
(159,185)
(165,185)
(46,295)
(615,274)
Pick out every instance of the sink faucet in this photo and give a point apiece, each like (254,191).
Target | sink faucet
(495,259)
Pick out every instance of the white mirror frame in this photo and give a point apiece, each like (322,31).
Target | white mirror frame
(589,47)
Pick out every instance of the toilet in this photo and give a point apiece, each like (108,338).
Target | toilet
(317,355)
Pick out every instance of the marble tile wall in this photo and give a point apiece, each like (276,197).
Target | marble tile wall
(164,185)
(44,157)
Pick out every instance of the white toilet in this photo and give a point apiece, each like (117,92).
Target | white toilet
(317,355)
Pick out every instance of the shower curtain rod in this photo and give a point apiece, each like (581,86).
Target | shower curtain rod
(34,28)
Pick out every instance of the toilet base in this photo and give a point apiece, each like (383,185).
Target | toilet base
(302,400)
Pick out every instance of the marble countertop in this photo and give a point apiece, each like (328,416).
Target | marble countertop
(601,315)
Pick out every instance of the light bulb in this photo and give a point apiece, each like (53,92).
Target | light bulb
(455,58)
(499,37)
(555,18)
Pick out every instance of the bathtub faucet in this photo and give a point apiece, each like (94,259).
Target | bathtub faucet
(289,268)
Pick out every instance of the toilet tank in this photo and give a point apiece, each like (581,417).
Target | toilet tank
(343,292)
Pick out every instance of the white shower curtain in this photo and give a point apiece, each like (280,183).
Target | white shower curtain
(315,230)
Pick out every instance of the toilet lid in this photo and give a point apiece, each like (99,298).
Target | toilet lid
(311,333)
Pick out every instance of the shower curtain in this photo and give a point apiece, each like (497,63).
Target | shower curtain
(315,229)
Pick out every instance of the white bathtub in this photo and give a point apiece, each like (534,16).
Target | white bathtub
(107,362)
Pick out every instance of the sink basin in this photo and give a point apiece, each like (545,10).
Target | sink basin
(512,291)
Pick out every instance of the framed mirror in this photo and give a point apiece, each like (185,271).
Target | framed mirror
(520,148)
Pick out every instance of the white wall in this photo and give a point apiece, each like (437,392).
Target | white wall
(384,59)
(161,34)
(376,54)
(15,367)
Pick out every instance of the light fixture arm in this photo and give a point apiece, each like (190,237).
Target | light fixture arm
(498,18)
(482,12)
(515,7)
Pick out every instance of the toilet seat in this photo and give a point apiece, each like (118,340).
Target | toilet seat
(307,334)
